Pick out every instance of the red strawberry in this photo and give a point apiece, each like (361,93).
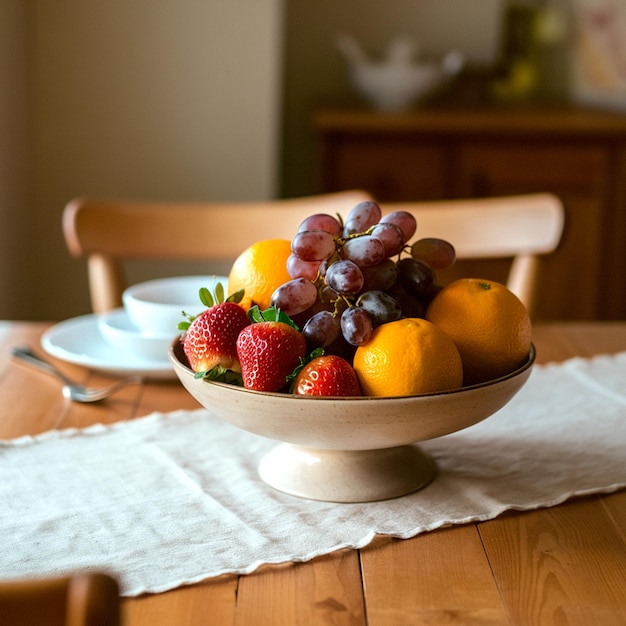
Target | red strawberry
(211,338)
(328,375)
(269,351)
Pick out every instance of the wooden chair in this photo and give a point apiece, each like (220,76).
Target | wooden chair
(106,232)
(80,600)
(515,229)
(109,232)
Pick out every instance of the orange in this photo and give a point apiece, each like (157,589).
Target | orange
(260,270)
(407,357)
(489,325)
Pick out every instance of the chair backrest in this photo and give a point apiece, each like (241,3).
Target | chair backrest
(107,232)
(80,600)
(519,228)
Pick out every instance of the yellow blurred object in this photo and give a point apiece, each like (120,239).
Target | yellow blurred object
(520,49)
(408,357)
(520,84)
(489,325)
(260,270)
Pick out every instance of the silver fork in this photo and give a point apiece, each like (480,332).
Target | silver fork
(71,389)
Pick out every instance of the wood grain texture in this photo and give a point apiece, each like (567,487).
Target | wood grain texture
(204,604)
(564,565)
(615,504)
(326,590)
(441,577)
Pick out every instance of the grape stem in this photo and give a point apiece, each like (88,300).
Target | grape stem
(349,302)
(342,240)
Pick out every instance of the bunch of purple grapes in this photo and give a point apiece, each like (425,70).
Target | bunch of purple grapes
(350,277)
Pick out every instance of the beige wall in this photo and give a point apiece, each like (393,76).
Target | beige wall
(149,98)
(174,99)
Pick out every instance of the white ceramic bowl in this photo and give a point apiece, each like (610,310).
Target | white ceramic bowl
(349,449)
(156,306)
(396,87)
(119,330)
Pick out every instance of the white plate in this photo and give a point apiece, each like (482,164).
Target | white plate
(120,332)
(79,341)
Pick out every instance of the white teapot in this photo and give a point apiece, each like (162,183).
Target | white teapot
(399,80)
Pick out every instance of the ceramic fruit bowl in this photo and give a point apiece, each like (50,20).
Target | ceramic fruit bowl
(349,449)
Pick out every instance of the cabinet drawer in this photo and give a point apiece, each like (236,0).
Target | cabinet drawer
(568,282)
(390,169)
(495,169)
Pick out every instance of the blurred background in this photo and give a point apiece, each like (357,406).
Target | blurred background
(215,100)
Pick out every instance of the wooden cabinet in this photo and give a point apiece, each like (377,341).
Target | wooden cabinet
(579,155)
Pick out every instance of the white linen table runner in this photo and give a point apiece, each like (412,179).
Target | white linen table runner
(171,499)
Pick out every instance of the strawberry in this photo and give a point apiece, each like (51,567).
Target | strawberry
(328,375)
(210,340)
(269,350)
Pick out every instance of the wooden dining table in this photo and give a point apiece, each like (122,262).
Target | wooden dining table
(562,565)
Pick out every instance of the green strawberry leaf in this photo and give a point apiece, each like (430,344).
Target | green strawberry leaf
(219,292)
(184,325)
(207,298)
(210,299)
(254,315)
(303,361)
(272,314)
(221,375)
(285,319)
(236,297)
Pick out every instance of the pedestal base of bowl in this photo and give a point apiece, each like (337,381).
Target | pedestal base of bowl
(347,475)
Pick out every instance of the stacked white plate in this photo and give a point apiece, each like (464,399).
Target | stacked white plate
(134,339)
